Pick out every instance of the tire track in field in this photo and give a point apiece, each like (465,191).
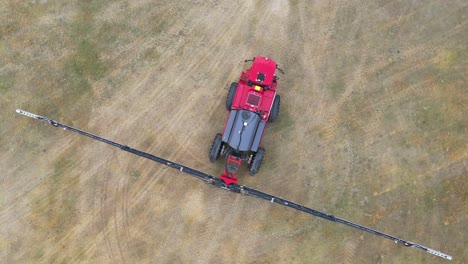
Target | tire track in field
(458,161)
(217,57)
(217,41)
(250,239)
(72,235)
(17,203)
(352,78)
(330,119)
(98,218)
(410,54)
(159,169)
(348,250)
(124,209)
(309,34)
(104,222)
(116,220)
(113,217)
(177,119)
(54,184)
(116,213)
(291,233)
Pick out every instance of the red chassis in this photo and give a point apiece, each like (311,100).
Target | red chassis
(251,102)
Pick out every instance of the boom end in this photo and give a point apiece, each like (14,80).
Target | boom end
(439,254)
(26,113)
(38,117)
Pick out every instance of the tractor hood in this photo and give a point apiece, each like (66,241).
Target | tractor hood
(263,71)
(244,130)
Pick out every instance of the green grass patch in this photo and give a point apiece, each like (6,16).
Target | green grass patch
(343,202)
(151,55)
(337,87)
(53,208)
(430,117)
(16,15)
(13,16)
(158,25)
(2,198)
(6,82)
(38,253)
(88,8)
(9,27)
(446,59)
(108,32)
(66,202)
(135,175)
(74,79)
(70,83)
(344,22)
(85,64)
(448,67)
(342,67)
(284,125)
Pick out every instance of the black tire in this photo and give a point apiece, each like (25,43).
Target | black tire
(230,95)
(275,109)
(256,161)
(215,150)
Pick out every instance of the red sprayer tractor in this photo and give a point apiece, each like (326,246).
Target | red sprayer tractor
(251,102)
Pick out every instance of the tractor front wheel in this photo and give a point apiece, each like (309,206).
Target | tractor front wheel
(275,109)
(230,95)
(215,150)
(256,161)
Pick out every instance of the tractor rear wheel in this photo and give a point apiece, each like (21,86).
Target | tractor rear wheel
(230,95)
(256,161)
(275,109)
(215,150)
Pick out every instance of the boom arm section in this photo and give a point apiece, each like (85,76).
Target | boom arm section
(244,190)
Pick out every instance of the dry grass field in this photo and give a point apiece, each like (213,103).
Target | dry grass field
(372,128)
